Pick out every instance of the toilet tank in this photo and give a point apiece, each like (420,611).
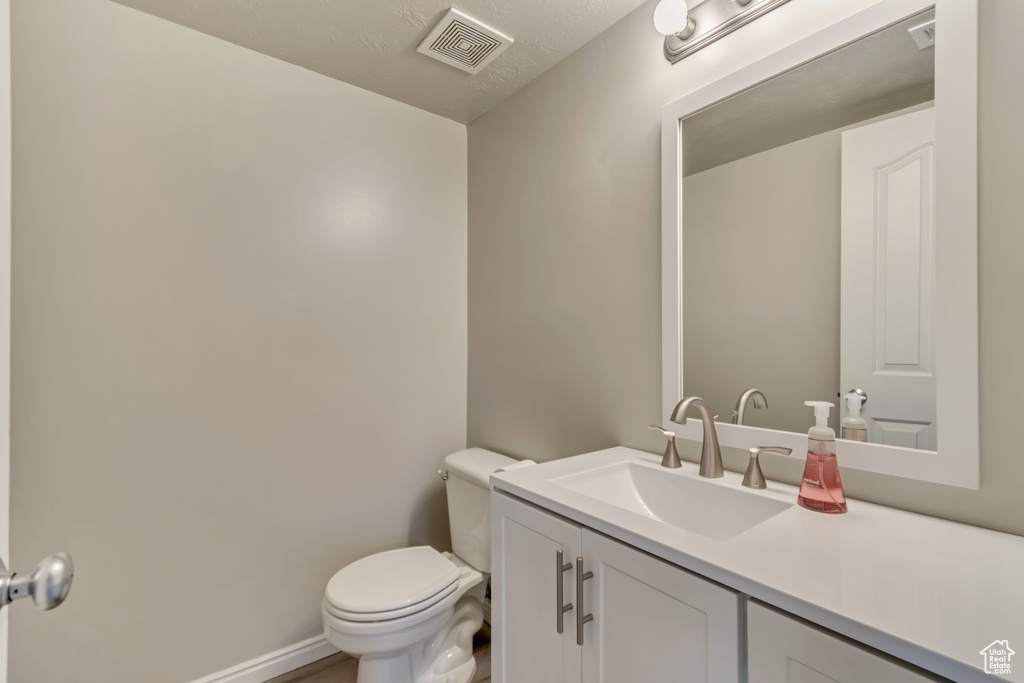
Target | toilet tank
(469,503)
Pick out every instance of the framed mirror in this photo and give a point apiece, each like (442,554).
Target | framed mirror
(820,236)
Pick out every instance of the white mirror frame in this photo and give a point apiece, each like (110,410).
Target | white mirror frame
(957,462)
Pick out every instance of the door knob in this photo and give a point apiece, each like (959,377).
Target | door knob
(48,584)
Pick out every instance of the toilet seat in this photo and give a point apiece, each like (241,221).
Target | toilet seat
(391,585)
(390,615)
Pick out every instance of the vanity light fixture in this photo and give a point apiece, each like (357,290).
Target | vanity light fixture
(672,18)
(687,31)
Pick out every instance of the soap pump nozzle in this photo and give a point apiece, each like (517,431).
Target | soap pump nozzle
(854,403)
(821,411)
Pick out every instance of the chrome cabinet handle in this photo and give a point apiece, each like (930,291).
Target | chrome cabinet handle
(580,618)
(48,584)
(560,570)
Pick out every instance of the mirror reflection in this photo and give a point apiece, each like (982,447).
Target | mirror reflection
(808,250)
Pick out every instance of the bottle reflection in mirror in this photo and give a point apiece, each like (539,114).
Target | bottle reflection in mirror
(855,428)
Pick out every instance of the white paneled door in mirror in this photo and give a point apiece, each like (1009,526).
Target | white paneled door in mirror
(887,259)
(857,272)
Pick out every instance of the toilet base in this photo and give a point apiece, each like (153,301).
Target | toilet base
(450,653)
(444,656)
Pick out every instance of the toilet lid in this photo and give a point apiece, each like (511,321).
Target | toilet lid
(391,580)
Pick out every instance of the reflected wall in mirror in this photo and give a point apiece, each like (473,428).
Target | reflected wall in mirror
(820,235)
(776,179)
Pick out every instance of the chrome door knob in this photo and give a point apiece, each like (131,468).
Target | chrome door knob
(48,585)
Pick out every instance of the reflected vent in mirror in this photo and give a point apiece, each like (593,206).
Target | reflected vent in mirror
(463,42)
(923,34)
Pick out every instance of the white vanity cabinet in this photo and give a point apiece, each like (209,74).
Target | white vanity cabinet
(651,621)
(654,621)
(783,649)
(525,645)
(675,597)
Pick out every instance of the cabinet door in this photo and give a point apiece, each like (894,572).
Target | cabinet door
(654,622)
(525,644)
(782,649)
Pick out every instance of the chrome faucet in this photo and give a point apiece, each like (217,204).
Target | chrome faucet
(711,453)
(760,402)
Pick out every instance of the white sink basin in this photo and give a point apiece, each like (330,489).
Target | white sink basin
(675,498)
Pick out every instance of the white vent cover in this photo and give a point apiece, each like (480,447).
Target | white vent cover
(923,34)
(464,42)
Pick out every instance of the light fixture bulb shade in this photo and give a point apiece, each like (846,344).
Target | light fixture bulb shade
(671,17)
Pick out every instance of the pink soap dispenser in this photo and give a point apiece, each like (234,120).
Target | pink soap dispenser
(821,489)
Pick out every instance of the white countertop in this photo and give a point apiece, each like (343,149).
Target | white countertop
(927,591)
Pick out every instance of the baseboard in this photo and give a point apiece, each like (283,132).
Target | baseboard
(274,664)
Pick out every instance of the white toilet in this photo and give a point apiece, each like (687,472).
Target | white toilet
(409,615)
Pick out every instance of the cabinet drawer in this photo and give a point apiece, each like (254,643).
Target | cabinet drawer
(783,649)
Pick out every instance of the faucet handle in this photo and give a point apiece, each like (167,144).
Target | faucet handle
(754,477)
(772,449)
(671,457)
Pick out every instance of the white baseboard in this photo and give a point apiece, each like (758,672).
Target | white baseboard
(274,664)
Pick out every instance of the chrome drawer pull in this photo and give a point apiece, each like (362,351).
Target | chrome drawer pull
(580,619)
(560,570)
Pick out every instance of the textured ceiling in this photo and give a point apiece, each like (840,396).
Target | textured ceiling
(878,74)
(372,43)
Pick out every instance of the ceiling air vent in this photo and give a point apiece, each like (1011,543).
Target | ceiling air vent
(464,42)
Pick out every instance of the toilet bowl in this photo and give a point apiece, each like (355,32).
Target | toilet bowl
(409,614)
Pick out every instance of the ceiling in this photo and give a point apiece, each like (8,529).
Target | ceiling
(878,74)
(372,43)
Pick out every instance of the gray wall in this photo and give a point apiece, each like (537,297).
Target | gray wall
(761,281)
(239,339)
(565,320)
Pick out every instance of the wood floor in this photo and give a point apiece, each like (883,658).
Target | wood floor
(341,668)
